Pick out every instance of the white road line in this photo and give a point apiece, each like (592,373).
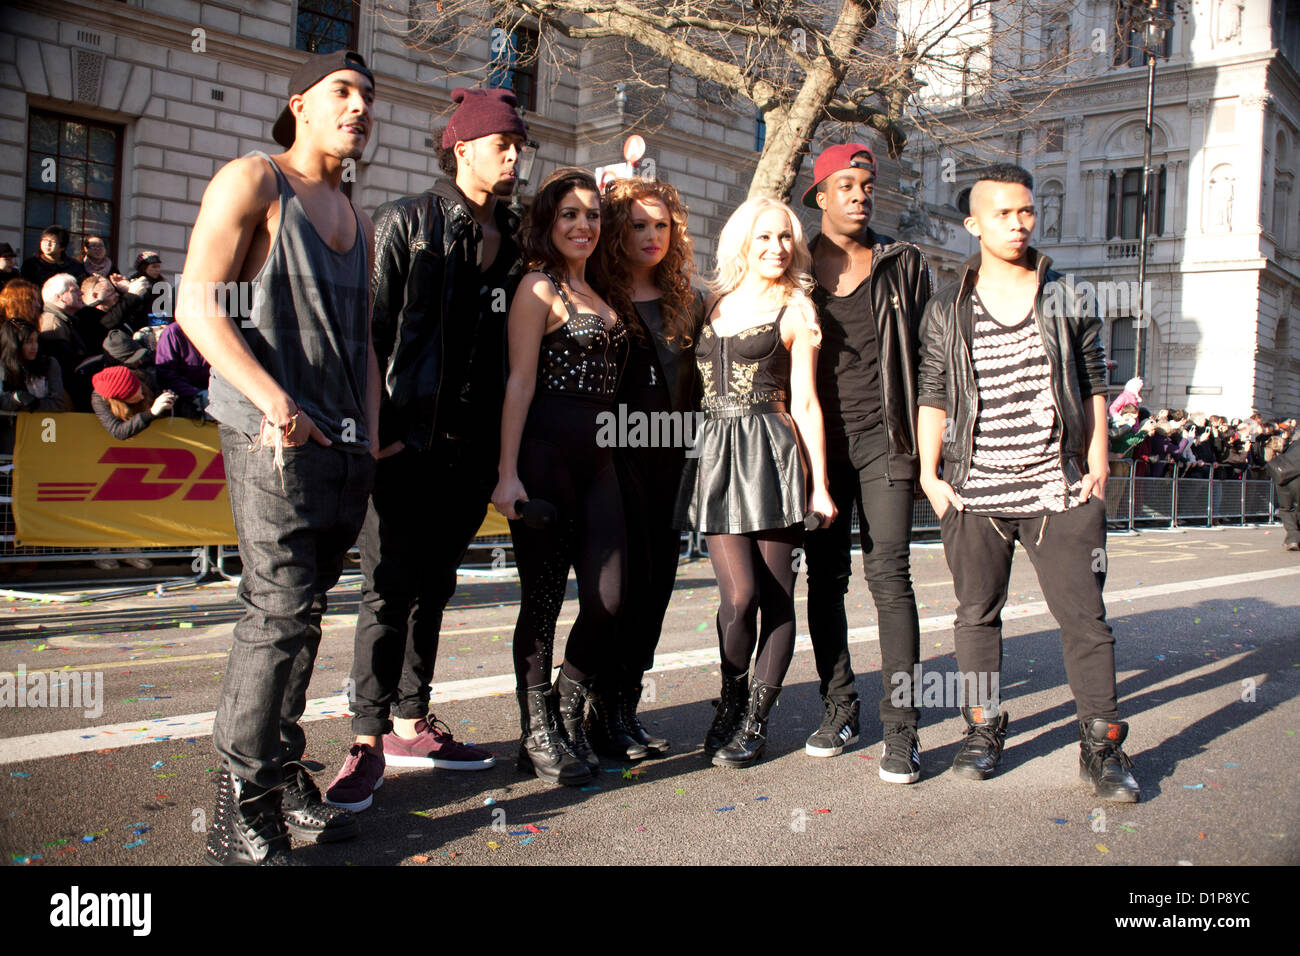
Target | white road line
(63,742)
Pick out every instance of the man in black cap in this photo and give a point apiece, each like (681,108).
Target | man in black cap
(871,292)
(295,387)
(8,265)
(446,267)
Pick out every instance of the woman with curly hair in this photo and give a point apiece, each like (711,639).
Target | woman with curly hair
(567,352)
(760,441)
(21,299)
(647,263)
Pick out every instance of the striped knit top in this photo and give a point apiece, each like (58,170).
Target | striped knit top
(1015,461)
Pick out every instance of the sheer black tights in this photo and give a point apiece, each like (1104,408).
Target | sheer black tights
(756,574)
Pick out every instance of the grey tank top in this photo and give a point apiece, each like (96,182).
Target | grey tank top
(308,327)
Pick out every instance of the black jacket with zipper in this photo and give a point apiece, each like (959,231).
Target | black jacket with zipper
(426,284)
(1075,355)
(900,286)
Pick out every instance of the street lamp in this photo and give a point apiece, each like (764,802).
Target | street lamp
(523,173)
(1152,23)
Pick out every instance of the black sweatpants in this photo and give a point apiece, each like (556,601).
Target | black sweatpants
(1068,554)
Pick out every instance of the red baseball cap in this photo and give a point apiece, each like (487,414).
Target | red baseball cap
(832,160)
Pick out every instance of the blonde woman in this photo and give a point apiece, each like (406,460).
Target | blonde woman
(758,451)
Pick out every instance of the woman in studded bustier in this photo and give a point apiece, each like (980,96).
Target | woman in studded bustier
(647,262)
(567,352)
(759,464)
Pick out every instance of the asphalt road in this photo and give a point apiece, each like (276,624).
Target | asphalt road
(1207,630)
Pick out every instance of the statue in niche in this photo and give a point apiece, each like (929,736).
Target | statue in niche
(1222,186)
(1051,221)
(1227,20)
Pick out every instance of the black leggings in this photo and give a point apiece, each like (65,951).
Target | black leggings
(559,462)
(756,574)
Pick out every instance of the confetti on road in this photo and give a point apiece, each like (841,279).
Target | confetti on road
(762,798)
(488,802)
(588,789)
(132,845)
(1060,821)
(493,845)
(722,809)
(19,774)
(423,813)
(527,840)
(679,790)
(157,766)
(1101,848)
(1201,835)
(821,811)
(1193,786)
(1127,829)
(420,859)
(1232,765)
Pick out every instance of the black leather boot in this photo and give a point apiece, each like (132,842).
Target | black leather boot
(628,698)
(247,827)
(1103,763)
(606,731)
(543,750)
(980,752)
(730,708)
(308,817)
(750,738)
(572,697)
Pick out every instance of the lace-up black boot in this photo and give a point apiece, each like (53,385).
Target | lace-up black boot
(308,817)
(980,752)
(606,732)
(542,749)
(730,708)
(628,697)
(247,827)
(572,697)
(1103,763)
(750,738)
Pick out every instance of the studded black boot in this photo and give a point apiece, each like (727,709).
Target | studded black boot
(247,827)
(629,696)
(571,696)
(309,818)
(730,708)
(750,739)
(1103,763)
(542,749)
(606,731)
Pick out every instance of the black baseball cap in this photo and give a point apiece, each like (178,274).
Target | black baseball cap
(311,72)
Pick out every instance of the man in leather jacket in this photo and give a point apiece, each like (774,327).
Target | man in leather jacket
(1012,385)
(446,266)
(870,293)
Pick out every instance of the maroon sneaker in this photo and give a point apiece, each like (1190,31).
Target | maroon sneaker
(433,746)
(354,788)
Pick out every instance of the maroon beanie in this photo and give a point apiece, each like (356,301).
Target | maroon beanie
(482,113)
(116,382)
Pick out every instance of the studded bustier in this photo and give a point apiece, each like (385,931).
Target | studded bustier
(582,358)
(748,368)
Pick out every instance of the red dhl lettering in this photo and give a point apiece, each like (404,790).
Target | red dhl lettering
(174,470)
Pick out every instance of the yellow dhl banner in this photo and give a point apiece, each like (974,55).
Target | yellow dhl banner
(75,486)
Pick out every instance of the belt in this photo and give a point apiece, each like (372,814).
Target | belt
(737,411)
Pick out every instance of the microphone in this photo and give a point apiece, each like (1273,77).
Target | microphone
(813,520)
(536,514)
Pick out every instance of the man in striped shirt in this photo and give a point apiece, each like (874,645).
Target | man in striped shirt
(1011,389)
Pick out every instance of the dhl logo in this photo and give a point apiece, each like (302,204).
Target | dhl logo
(130,481)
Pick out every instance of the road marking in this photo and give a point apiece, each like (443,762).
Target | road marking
(83,740)
(1181,557)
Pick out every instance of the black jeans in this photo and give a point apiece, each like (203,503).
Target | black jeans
(294,531)
(1288,502)
(885,530)
(423,515)
(1068,554)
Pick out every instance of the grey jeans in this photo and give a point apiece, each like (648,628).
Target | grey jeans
(293,537)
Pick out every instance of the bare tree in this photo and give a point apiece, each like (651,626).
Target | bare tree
(955,69)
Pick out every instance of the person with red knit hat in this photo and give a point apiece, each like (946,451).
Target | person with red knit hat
(446,268)
(125,404)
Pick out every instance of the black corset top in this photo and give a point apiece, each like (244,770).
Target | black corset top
(582,358)
(745,368)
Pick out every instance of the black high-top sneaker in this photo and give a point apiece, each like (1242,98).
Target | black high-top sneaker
(571,696)
(629,696)
(1103,763)
(980,752)
(606,731)
(542,748)
(900,757)
(247,827)
(839,728)
(750,738)
(730,708)
(308,817)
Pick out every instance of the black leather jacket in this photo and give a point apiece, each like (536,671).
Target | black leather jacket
(947,374)
(900,287)
(427,276)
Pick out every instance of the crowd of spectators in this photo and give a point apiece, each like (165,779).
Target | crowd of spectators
(1180,443)
(76,335)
